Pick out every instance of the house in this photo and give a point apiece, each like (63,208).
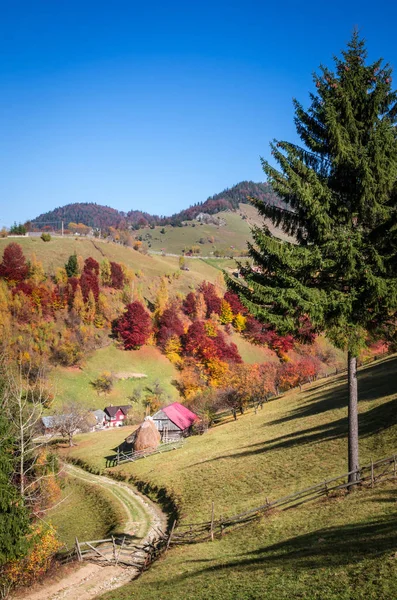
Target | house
(47,425)
(174,421)
(115,415)
(100,417)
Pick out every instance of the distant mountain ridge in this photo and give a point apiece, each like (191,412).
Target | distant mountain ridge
(96,215)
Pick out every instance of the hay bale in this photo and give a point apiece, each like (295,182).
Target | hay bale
(147,436)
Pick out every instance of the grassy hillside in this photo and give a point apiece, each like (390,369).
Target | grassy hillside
(149,267)
(318,551)
(80,499)
(73,383)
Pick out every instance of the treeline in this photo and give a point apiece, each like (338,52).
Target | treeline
(102,217)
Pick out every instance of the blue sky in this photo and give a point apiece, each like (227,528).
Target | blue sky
(157,107)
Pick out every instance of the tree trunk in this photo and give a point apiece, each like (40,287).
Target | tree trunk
(353,418)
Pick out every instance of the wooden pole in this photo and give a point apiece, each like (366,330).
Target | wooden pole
(169,539)
(121,547)
(118,456)
(372,473)
(114,548)
(394,458)
(80,558)
(212,522)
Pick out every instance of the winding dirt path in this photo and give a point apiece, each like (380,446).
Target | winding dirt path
(86,580)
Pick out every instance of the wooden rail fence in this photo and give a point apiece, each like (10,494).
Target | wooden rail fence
(367,476)
(121,550)
(132,456)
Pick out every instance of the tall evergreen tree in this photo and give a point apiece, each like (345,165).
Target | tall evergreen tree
(14,517)
(340,189)
(72,266)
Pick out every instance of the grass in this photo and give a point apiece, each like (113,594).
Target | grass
(54,254)
(86,511)
(328,550)
(73,383)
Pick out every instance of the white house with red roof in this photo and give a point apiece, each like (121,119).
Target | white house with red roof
(174,421)
(115,415)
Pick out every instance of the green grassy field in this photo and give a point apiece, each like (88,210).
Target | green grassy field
(231,236)
(73,383)
(86,512)
(336,549)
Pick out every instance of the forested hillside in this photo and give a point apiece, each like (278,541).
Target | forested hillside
(95,215)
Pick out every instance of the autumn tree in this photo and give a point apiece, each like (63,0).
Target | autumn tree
(116,276)
(14,267)
(340,187)
(134,326)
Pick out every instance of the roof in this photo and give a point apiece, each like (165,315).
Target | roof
(99,414)
(48,422)
(180,415)
(112,410)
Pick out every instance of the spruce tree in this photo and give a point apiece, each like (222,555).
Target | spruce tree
(72,266)
(14,517)
(340,189)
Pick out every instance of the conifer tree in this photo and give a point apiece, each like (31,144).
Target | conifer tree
(340,189)
(72,267)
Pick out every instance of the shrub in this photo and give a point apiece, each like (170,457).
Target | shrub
(46,237)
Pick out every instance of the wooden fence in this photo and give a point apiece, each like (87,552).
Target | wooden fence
(132,456)
(367,476)
(121,550)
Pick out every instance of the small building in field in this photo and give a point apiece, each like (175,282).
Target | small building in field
(174,421)
(100,417)
(116,415)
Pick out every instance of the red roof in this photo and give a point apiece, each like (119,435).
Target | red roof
(180,415)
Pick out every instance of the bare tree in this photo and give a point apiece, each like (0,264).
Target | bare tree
(70,419)
(23,395)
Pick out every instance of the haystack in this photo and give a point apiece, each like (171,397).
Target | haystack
(146,436)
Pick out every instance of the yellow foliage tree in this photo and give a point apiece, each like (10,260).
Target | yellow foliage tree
(90,308)
(226,315)
(201,307)
(161,298)
(105,272)
(173,349)
(239,322)
(37,274)
(61,277)
(78,302)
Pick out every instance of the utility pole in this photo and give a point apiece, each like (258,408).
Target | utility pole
(62,228)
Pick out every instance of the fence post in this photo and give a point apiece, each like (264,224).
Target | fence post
(79,556)
(326,488)
(212,522)
(170,536)
(114,548)
(118,456)
(372,473)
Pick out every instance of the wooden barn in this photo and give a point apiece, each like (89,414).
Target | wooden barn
(174,421)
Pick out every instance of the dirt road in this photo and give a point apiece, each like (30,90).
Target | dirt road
(87,580)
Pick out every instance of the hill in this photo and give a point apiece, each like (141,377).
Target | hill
(95,215)
(342,548)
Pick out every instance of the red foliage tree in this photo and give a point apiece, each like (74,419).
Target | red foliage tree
(212,300)
(197,343)
(235,304)
(134,326)
(169,325)
(189,304)
(89,281)
(117,276)
(90,264)
(14,267)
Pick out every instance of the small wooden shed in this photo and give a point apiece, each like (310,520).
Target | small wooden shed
(174,421)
